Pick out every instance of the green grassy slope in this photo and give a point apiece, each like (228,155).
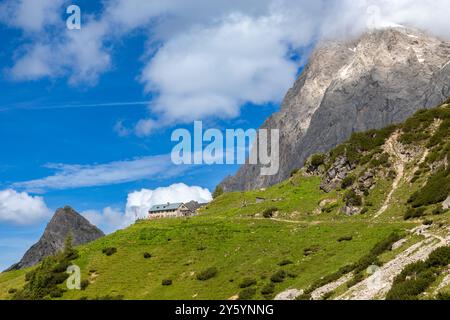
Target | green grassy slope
(232,235)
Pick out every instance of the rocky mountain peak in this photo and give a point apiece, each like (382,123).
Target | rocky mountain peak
(65,221)
(380,78)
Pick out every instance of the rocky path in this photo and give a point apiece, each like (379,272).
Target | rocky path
(399,166)
(378,285)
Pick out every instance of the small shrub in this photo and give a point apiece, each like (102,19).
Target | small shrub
(330,207)
(12,290)
(317,160)
(311,250)
(247,282)
(217,192)
(247,294)
(348,181)
(386,244)
(207,274)
(352,199)
(345,238)
(56,293)
(268,289)
(443,296)
(417,277)
(382,160)
(412,213)
(435,191)
(268,213)
(328,295)
(428,222)
(166,282)
(84,284)
(109,251)
(285,262)
(147,255)
(439,258)
(278,276)
(201,248)
(294,172)
(304,297)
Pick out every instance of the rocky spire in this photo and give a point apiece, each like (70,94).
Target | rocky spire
(65,221)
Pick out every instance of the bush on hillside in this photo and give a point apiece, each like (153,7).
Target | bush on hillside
(345,238)
(247,282)
(109,251)
(435,191)
(348,181)
(247,294)
(84,284)
(217,192)
(412,213)
(43,281)
(317,160)
(147,255)
(352,199)
(380,161)
(417,277)
(166,282)
(285,262)
(443,296)
(311,250)
(439,258)
(56,293)
(278,276)
(268,289)
(268,213)
(207,274)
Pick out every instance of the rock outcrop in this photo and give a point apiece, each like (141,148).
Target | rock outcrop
(65,221)
(334,176)
(381,78)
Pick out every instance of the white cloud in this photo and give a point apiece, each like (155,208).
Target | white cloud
(21,208)
(205,58)
(30,15)
(35,64)
(78,176)
(108,220)
(213,71)
(139,203)
(79,54)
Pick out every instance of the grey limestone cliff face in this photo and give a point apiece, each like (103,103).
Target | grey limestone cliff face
(65,221)
(379,79)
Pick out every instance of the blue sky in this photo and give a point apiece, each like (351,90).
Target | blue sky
(86,115)
(48,120)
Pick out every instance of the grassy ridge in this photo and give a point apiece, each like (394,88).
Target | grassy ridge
(232,248)
(231,237)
